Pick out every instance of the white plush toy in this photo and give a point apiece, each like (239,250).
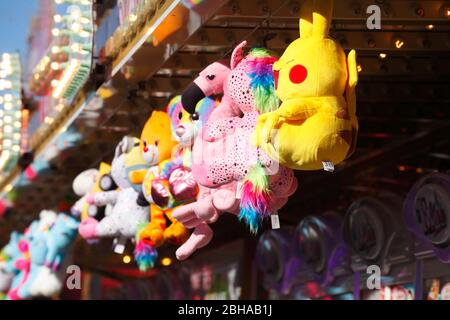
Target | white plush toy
(126,215)
(82,186)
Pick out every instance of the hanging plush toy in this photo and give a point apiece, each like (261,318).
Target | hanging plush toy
(223,154)
(8,256)
(82,185)
(103,183)
(156,146)
(47,271)
(126,215)
(172,185)
(186,126)
(32,247)
(316,125)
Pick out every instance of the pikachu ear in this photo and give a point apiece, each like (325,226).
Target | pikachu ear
(237,55)
(306,19)
(322,14)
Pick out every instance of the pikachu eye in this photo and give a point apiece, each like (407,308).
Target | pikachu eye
(145,143)
(298,74)
(156,143)
(180,115)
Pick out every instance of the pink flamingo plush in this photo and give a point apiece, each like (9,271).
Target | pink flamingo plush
(223,157)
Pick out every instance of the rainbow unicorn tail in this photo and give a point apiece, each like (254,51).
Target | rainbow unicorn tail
(145,253)
(255,197)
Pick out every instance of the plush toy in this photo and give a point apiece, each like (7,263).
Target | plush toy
(50,274)
(222,152)
(126,215)
(172,184)
(186,126)
(19,266)
(156,146)
(32,247)
(8,255)
(82,185)
(316,125)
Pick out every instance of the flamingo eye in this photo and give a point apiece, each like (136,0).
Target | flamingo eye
(298,74)
(211,76)
(195,116)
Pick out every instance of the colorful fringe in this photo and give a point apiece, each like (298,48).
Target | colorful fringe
(145,254)
(262,82)
(255,197)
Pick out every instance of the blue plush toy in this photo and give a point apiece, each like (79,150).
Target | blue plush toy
(37,248)
(47,272)
(8,255)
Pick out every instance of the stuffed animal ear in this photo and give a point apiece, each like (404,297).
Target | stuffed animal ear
(124,146)
(322,14)
(237,55)
(173,109)
(173,105)
(128,144)
(306,19)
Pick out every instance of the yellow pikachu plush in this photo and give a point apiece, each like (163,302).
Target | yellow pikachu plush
(316,125)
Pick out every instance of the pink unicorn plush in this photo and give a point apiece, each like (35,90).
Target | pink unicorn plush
(223,156)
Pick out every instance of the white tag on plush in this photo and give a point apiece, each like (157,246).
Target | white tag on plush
(119,245)
(239,189)
(119,248)
(275,219)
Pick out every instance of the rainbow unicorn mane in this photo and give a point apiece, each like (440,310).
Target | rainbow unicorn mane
(145,253)
(262,83)
(255,198)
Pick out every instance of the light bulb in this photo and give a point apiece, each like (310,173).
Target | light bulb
(54,65)
(399,43)
(166,261)
(57,18)
(56,49)
(126,259)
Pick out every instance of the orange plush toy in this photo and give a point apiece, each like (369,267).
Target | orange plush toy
(156,146)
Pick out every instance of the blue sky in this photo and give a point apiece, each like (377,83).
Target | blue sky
(14,24)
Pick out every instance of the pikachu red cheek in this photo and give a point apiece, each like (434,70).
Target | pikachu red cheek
(298,74)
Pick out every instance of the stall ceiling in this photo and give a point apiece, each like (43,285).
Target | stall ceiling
(403,101)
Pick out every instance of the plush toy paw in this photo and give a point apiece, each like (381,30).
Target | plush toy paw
(201,236)
(153,233)
(261,134)
(186,215)
(204,209)
(87,228)
(90,199)
(176,233)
